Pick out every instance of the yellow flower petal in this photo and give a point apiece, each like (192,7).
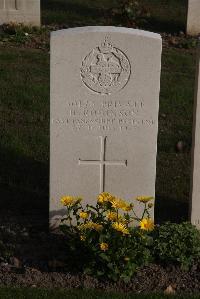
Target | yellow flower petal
(126,259)
(104,246)
(128,207)
(120,227)
(144,199)
(118,203)
(146,224)
(82,238)
(83,215)
(69,200)
(90,225)
(104,197)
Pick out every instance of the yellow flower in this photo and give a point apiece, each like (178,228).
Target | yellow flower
(90,225)
(104,246)
(112,216)
(126,259)
(70,200)
(147,224)
(118,203)
(67,200)
(104,197)
(82,238)
(83,215)
(81,227)
(120,227)
(128,207)
(97,227)
(144,199)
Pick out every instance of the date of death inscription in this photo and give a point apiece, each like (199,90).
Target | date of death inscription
(104,116)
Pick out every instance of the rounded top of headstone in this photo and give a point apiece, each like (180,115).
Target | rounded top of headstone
(104,29)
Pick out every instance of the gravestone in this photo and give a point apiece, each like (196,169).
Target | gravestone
(104,113)
(195,180)
(193,18)
(20,11)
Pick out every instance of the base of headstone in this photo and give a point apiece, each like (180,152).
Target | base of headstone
(193,17)
(26,12)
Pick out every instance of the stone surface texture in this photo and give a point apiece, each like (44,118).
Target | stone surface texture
(195,181)
(20,11)
(105,85)
(193,18)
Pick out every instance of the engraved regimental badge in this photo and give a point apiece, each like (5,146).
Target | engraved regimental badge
(105,69)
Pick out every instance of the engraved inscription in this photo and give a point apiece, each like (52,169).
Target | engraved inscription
(106,69)
(102,163)
(105,116)
(197,222)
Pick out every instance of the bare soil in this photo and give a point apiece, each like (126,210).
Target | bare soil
(41,259)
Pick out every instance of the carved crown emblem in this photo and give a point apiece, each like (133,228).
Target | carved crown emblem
(106,69)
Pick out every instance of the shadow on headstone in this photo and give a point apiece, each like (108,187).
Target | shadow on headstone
(25,195)
(169,209)
(24,190)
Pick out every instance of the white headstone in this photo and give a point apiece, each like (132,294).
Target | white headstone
(20,11)
(195,181)
(193,18)
(104,113)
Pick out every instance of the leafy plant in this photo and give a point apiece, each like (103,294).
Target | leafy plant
(131,12)
(9,238)
(20,33)
(113,246)
(176,244)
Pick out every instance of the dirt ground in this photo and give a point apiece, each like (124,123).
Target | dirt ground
(40,260)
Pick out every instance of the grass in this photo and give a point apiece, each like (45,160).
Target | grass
(165,15)
(24,97)
(76,13)
(175,124)
(24,111)
(24,121)
(24,144)
(7,293)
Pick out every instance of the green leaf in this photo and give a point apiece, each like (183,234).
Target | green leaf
(87,271)
(110,266)
(104,257)
(100,273)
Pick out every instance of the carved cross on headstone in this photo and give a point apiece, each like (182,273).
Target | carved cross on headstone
(102,163)
(105,69)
